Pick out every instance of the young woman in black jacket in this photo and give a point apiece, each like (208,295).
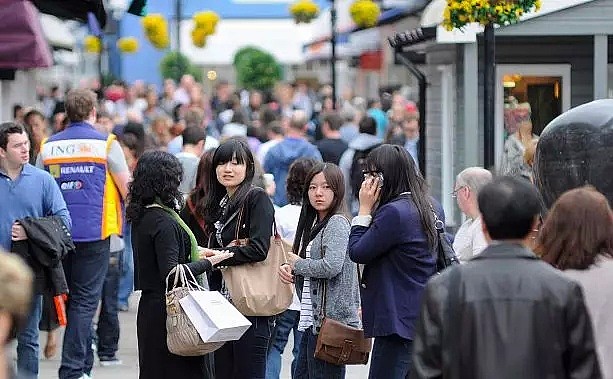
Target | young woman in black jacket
(231,190)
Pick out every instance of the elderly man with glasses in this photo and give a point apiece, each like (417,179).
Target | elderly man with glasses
(469,240)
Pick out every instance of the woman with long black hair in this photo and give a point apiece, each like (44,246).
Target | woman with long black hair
(394,237)
(327,277)
(230,191)
(161,241)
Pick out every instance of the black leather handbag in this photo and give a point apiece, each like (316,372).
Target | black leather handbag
(445,255)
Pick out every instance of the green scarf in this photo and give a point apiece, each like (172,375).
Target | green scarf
(194,253)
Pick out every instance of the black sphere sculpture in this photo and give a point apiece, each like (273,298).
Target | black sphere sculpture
(576,149)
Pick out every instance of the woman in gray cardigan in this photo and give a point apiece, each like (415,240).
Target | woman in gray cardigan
(320,257)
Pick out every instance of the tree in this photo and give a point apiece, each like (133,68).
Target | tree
(174,65)
(256,69)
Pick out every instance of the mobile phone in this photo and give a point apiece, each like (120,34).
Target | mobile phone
(380,177)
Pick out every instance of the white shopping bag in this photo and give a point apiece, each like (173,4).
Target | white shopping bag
(214,317)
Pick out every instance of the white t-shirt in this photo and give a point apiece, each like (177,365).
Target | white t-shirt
(469,241)
(306,306)
(287,222)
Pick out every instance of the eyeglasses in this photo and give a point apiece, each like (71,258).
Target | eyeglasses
(454,194)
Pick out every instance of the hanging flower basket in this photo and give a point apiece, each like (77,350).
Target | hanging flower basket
(304,11)
(199,37)
(156,30)
(92,44)
(365,13)
(459,13)
(127,45)
(206,21)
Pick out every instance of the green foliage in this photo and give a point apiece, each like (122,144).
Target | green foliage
(174,65)
(256,69)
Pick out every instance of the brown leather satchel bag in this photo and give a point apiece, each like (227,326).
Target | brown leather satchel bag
(338,343)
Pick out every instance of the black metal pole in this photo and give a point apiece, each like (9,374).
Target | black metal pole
(423,85)
(100,73)
(489,95)
(178,23)
(333,55)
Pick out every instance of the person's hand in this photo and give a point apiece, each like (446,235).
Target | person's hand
(51,345)
(369,195)
(18,233)
(219,256)
(291,259)
(285,274)
(206,252)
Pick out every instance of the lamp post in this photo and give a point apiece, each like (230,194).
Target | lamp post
(178,12)
(489,95)
(333,54)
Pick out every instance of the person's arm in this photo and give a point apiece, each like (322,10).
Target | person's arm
(167,241)
(54,203)
(334,245)
(428,339)
(368,242)
(118,168)
(261,216)
(479,242)
(580,355)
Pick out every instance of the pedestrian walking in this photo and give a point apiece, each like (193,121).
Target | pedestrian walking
(505,314)
(92,173)
(326,278)
(230,182)
(394,237)
(577,238)
(161,241)
(26,192)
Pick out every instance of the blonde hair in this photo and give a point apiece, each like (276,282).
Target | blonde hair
(16,289)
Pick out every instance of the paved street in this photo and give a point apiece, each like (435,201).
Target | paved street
(128,354)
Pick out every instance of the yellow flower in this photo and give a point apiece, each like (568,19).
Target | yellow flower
(156,30)
(537,5)
(207,21)
(127,45)
(199,37)
(304,11)
(92,44)
(365,13)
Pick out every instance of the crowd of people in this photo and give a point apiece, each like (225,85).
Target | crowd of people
(140,182)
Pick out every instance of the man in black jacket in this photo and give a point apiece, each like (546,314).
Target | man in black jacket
(505,313)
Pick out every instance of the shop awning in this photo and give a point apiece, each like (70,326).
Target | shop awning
(22,42)
(73,9)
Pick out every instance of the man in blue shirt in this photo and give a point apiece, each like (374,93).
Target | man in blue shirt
(25,191)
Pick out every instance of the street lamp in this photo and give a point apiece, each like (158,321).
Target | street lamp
(333,54)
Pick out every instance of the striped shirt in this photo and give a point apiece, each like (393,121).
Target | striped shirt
(306,308)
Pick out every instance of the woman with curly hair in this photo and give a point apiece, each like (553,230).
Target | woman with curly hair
(577,238)
(161,241)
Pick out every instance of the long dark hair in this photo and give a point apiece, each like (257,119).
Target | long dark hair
(578,228)
(400,175)
(228,150)
(308,224)
(197,197)
(156,178)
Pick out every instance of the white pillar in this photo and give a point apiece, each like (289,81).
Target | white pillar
(472,145)
(601,60)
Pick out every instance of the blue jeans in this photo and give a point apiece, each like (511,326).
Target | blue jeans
(27,341)
(309,367)
(391,358)
(126,279)
(286,322)
(246,358)
(85,271)
(108,321)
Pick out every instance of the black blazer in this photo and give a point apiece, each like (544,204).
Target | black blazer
(256,226)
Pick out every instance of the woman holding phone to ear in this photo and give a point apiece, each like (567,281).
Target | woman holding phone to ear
(394,237)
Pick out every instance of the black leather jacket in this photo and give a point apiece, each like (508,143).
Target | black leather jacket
(48,243)
(505,314)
